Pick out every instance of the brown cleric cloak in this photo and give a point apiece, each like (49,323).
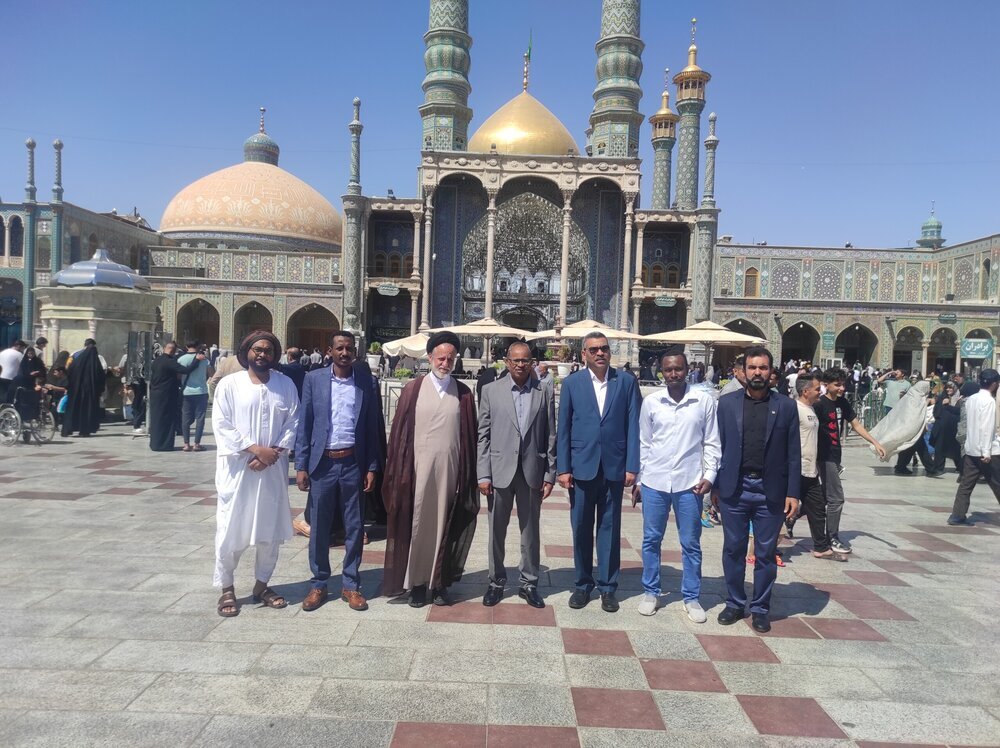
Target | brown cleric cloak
(398,491)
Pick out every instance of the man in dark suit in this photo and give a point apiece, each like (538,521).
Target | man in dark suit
(758,481)
(293,369)
(597,456)
(337,453)
(516,466)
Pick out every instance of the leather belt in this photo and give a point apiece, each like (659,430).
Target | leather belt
(339,454)
(753,474)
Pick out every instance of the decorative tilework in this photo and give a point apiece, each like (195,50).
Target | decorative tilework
(827,281)
(887,282)
(785,281)
(912,293)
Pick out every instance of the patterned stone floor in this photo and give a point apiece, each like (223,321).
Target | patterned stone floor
(109,636)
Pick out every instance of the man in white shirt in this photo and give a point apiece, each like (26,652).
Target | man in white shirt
(679,451)
(10,362)
(982,446)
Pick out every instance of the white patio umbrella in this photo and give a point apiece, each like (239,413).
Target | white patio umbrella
(486,327)
(413,345)
(707,333)
(581,328)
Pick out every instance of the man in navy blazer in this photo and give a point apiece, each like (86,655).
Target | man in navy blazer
(758,482)
(337,453)
(597,456)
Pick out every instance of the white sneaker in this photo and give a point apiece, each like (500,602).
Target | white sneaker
(695,612)
(648,605)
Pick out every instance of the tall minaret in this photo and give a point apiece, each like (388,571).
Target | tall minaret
(445,111)
(711,144)
(57,212)
(354,211)
(29,187)
(690,82)
(708,231)
(615,120)
(664,136)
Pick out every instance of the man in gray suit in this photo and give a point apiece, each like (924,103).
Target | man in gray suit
(516,466)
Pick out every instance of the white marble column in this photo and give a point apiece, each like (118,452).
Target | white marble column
(627,268)
(564,266)
(640,234)
(6,241)
(426,288)
(923,357)
(491,227)
(415,274)
(414,294)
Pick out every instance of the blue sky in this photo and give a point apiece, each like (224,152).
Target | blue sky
(838,121)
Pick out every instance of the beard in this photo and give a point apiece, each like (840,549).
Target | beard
(757,383)
(258,369)
(439,375)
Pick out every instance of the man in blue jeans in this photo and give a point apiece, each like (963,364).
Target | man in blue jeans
(195,391)
(679,451)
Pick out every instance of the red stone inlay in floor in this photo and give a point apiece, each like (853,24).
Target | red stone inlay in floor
(924,556)
(722,648)
(626,544)
(467,611)
(944,529)
(174,486)
(555,505)
(519,613)
(840,592)
(559,551)
(144,475)
(901,567)
(789,715)
(788,628)
(631,564)
(594,642)
(45,495)
(194,493)
(104,464)
(883,502)
(682,675)
(846,629)
(513,613)
(673,557)
(879,610)
(372,558)
(875,744)
(877,578)
(931,543)
(610,707)
(424,734)
(123,491)
(209,501)
(519,736)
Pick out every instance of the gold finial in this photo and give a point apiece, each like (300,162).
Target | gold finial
(694,23)
(524,80)
(932,207)
(666,78)
(262,110)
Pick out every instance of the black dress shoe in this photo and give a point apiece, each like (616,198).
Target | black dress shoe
(579,599)
(609,603)
(418,596)
(440,596)
(493,595)
(760,623)
(531,596)
(730,615)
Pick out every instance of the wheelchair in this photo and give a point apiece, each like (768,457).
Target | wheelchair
(28,416)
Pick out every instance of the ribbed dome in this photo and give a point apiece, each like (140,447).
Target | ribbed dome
(523,126)
(255,198)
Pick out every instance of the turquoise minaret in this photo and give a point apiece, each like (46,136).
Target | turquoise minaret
(29,187)
(664,124)
(260,146)
(615,120)
(445,111)
(28,302)
(690,82)
(930,232)
(711,144)
(57,212)
(354,211)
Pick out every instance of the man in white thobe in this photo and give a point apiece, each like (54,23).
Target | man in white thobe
(254,419)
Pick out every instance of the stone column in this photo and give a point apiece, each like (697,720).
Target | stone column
(415,273)
(564,266)
(414,294)
(924,346)
(53,337)
(640,232)
(958,356)
(426,288)
(491,228)
(627,268)
(6,242)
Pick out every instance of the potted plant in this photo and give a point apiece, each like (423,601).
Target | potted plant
(564,360)
(374,355)
(402,373)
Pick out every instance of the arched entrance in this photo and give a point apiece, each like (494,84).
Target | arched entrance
(11,298)
(250,317)
(856,344)
(524,318)
(941,354)
(745,327)
(800,341)
(310,327)
(907,352)
(197,320)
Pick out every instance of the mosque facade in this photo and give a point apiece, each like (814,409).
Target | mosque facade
(513,219)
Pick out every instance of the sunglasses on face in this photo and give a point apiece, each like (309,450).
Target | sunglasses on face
(595,349)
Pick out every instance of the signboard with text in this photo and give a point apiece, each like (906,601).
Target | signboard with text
(977,348)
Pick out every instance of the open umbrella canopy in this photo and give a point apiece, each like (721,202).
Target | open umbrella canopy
(706,332)
(487,327)
(581,328)
(414,345)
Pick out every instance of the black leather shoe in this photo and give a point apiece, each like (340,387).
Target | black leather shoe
(493,595)
(531,596)
(418,596)
(579,599)
(440,597)
(760,623)
(729,616)
(609,603)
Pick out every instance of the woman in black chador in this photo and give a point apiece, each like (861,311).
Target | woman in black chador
(86,385)
(165,397)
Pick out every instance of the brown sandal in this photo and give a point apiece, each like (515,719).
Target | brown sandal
(268,597)
(228,600)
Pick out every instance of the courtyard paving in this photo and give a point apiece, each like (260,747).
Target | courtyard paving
(109,635)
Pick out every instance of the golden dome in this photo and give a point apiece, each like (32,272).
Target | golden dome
(256,198)
(523,126)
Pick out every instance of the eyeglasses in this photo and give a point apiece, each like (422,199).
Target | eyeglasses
(520,361)
(262,351)
(595,349)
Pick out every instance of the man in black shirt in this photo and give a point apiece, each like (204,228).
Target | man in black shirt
(833,411)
